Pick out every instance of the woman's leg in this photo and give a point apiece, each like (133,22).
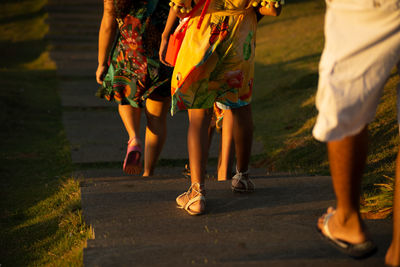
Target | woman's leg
(226,155)
(156,131)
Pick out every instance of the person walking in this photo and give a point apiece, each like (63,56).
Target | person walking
(131,75)
(362,47)
(215,64)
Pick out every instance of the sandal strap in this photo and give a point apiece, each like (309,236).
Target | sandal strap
(136,140)
(325,224)
(193,200)
(240,177)
(191,188)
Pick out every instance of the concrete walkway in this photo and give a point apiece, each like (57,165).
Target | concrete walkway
(135,220)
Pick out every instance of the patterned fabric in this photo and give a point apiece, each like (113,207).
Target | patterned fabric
(216,61)
(134,69)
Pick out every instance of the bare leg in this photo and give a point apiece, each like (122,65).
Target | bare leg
(226,155)
(211,129)
(131,118)
(199,121)
(156,131)
(347,159)
(242,135)
(393,253)
(193,201)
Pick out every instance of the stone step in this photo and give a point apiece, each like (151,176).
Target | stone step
(77,57)
(73,31)
(99,136)
(80,9)
(85,19)
(81,93)
(74,2)
(93,38)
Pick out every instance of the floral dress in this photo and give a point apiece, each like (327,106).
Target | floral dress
(134,67)
(216,59)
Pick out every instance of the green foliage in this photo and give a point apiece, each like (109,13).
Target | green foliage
(381,204)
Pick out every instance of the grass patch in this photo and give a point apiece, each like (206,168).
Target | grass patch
(288,52)
(41,210)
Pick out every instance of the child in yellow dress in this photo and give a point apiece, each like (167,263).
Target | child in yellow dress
(215,64)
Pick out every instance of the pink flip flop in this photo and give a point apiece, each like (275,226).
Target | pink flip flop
(132,163)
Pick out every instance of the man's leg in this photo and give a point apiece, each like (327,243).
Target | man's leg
(347,159)
(393,253)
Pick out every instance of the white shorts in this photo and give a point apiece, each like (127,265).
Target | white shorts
(362,46)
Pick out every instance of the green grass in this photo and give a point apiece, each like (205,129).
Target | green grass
(288,52)
(41,218)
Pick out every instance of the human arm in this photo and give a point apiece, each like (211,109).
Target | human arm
(165,35)
(106,37)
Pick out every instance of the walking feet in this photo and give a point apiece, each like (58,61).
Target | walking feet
(241,182)
(193,201)
(358,250)
(132,164)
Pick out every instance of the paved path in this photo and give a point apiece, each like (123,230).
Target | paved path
(134,219)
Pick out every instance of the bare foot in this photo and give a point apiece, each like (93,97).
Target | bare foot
(350,229)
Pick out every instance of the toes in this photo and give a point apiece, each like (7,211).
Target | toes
(320,222)
(330,209)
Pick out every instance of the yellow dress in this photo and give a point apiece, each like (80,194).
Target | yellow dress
(216,61)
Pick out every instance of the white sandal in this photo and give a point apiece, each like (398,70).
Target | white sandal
(241,182)
(184,201)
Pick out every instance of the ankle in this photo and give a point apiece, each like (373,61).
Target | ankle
(196,189)
(349,217)
(133,141)
(392,257)
(242,171)
(350,225)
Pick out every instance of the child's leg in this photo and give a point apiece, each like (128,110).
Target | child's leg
(193,201)
(156,131)
(393,253)
(242,136)
(131,118)
(211,129)
(199,121)
(226,155)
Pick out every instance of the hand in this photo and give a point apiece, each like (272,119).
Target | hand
(163,50)
(101,73)
(271,11)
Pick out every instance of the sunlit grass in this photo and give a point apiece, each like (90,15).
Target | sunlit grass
(41,208)
(287,57)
